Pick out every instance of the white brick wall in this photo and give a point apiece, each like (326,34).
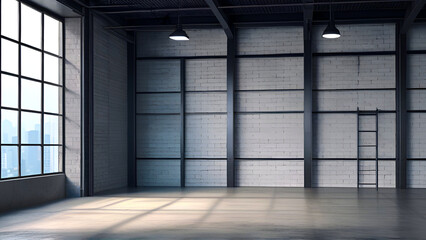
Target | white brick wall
(270,40)
(416,37)
(416,65)
(269,136)
(269,173)
(269,73)
(110,109)
(334,173)
(416,135)
(350,100)
(158,172)
(158,103)
(73,106)
(416,177)
(205,136)
(343,173)
(204,42)
(158,136)
(269,101)
(157,75)
(205,102)
(205,74)
(205,173)
(272,135)
(416,100)
(386,174)
(356,37)
(334,136)
(354,72)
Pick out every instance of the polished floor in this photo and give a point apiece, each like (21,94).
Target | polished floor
(221,213)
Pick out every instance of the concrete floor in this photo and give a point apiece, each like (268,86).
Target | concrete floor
(221,213)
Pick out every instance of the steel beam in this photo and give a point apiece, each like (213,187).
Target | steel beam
(87,105)
(230,83)
(221,17)
(182,121)
(248,6)
(401,63)
(411,14)
(131,113)
(307,113)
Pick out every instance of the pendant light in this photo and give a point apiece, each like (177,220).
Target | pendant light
(179,34)
(331,31)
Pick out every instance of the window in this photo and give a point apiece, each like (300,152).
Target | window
(31,88)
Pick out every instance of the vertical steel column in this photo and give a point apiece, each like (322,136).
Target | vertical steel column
(307,116)
(182,122)
(131,113)
(230,84)
(87,105)
(401,127)
(377,149)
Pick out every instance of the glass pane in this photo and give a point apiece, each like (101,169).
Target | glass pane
(9,18)
(30,160)
(9,91)
(52,35)
(52,98)
(30,95)
(52,69)
(30,128)
(52,159)
(52,129)
(9,56)
(30,26)
(9,162)
(31,63)
(9,126)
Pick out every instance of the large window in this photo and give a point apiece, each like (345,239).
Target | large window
(31,91)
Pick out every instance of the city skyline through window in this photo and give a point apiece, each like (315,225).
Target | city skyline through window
(31,88)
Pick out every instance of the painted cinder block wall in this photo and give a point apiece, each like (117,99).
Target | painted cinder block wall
(73,106)
(269,146)
(110,108)
(416,101)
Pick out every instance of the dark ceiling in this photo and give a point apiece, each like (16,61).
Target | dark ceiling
(142,14)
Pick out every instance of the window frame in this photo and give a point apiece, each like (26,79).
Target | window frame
(42,112)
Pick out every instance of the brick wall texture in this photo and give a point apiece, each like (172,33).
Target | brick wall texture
(110,109)
(73,106)
(268,134)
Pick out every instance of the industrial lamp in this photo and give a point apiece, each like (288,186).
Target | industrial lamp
(179,34)
(331,31)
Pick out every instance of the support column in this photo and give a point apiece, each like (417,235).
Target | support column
(230,83)
(401,128)
(182,121)
(87,105)
(131,112)
(307,114)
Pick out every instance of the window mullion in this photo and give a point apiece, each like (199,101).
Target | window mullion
(19,90)
(42,94)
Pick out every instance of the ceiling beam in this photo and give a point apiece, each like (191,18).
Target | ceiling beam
(301,4)
(221,17)
(411,15)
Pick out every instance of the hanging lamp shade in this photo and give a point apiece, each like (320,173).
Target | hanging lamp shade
(331,31)
(179,34)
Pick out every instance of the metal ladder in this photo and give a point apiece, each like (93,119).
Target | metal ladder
(360,114)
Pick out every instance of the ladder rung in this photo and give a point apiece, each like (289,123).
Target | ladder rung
(367,145)
(367,131)
(367,184)
(367,170)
